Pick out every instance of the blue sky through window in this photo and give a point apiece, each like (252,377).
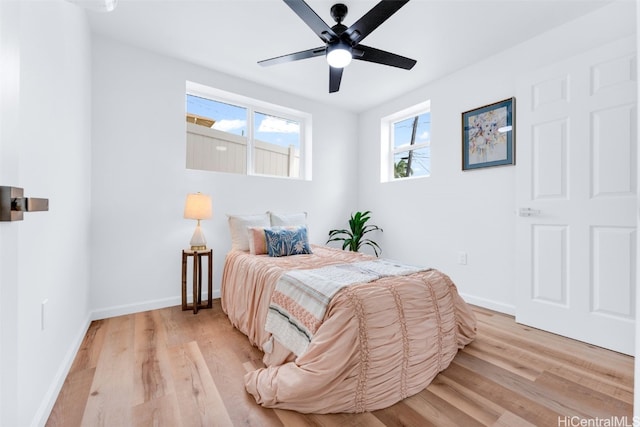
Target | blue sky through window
(233,119)
(421,158)
(276,130)
(402,131)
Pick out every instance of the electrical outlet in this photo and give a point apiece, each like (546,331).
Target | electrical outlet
(462,258)
(43,311)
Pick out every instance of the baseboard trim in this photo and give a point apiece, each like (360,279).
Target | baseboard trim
(490,304)
(121,310)
(44,411)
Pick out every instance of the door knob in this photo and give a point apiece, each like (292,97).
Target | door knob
(528,212)
(13,204)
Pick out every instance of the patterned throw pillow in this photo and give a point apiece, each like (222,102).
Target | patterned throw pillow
(287,241)
(258,238)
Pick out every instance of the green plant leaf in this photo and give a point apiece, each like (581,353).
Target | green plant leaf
(353,238)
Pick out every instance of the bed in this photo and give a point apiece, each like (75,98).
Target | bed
(378,341)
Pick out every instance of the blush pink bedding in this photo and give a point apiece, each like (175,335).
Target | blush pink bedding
(379,343)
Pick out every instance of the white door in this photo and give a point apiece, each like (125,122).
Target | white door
(9,234)
(576,168)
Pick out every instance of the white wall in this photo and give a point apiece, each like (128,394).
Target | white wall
(636,390)
(47,152)
(140,180)
(428,221)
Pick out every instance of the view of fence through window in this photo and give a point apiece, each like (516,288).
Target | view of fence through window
(218,139)
(412,146)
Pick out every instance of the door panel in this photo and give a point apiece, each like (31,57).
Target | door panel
(550,272)
(550,167)
(613,151)
(577,196)
(613,286)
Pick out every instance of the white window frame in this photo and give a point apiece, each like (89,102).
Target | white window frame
(387,149)
(252,106)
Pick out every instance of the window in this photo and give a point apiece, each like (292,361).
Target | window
(406,142)
(235,134)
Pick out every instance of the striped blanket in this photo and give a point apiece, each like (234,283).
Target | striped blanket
(300,299)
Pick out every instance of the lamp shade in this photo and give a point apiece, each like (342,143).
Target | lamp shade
(198,206)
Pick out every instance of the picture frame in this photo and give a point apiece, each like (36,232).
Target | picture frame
(488,135)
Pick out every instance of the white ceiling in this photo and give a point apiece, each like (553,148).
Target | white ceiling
(232,35)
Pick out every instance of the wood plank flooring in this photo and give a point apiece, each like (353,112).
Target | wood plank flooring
(170,368)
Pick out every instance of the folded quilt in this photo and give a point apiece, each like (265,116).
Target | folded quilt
(300,299)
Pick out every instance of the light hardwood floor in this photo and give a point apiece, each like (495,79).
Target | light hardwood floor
(172,368)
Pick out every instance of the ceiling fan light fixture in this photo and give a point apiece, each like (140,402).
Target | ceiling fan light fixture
(339,54)
(342,43)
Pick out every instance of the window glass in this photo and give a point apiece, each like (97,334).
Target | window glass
(276,145)
(247,137)
(411,146)
(412,163)
(216,136)
(225,117)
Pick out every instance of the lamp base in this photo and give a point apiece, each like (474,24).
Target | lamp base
(198,242)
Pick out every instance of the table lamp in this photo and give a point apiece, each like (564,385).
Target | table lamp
(198,206)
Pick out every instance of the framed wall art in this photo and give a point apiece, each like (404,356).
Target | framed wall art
(488,135)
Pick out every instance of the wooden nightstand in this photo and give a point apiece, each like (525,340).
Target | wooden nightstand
(197,279)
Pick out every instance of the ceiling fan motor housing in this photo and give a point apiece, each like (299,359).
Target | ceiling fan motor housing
(339,12)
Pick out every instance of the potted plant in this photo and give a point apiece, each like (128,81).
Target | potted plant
(353,239)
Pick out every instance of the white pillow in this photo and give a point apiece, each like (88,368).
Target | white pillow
(239,227)
(284,219)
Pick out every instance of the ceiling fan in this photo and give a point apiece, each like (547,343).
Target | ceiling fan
(342,44)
